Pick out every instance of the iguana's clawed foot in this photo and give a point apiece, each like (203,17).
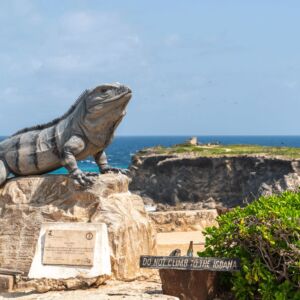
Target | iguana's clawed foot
(87,178)
(92,174)
(115,170)
(82,178)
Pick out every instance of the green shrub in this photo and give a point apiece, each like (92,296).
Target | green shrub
(265,236)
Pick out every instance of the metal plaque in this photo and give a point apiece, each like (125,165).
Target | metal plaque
(69,247)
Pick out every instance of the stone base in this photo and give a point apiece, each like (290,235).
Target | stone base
(192,285)
(45,285)
(6,283)
(27,202)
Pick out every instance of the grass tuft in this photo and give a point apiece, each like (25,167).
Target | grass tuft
(227,150)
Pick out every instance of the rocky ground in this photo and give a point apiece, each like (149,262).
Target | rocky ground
(113,290)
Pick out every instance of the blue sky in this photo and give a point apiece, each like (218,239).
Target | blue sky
(195,67)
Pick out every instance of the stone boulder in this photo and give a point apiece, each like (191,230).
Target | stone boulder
(27,202)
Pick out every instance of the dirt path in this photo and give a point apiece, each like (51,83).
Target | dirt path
(113,290)
(168,241)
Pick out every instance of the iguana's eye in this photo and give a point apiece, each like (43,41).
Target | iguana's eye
(104,90)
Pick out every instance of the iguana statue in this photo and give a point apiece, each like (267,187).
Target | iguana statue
(87,128)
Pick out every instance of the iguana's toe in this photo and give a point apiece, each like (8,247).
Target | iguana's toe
(81,178)
(124,171)
(87,180)
(92,174)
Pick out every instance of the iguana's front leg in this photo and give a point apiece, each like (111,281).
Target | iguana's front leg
(72,147)
(103,165)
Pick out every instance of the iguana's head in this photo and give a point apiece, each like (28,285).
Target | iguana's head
(107,96)
(105,106)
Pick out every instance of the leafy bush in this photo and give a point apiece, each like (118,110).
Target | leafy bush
(265,236)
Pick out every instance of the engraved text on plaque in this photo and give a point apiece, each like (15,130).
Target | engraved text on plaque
(69,247)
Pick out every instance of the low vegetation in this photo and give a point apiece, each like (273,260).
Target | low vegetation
(265,235)
(230,150)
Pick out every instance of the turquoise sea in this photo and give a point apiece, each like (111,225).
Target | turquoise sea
(124,147)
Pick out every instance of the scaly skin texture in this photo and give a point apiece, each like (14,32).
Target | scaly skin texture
(86,129)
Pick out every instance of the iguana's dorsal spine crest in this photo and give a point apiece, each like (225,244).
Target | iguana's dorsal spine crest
(57,120)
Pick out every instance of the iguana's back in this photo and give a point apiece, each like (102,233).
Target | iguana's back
(33,152)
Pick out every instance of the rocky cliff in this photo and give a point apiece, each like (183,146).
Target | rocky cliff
(211,180)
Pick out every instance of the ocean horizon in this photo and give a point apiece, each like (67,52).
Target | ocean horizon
(122,148)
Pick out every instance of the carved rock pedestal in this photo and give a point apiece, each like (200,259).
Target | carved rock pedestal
(27,202)
(188,285)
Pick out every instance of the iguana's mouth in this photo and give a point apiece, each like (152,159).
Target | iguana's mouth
(108,97)
(124,96)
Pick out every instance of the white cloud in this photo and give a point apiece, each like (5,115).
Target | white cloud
(51,51)
(88,41)
(20,11)
(80,41)
(67,52)
(291,84)
(66,63)
(78,22)
(172,40)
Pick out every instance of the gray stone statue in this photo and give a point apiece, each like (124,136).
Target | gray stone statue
(85,129)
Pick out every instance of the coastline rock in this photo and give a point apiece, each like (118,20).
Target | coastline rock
(26,202)
(213,181)
(184,220)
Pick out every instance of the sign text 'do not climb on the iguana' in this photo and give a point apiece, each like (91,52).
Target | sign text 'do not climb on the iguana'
(190,263)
